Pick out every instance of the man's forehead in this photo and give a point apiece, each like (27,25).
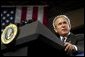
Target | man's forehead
(60,20)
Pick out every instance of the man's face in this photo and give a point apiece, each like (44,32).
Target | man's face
(62,26)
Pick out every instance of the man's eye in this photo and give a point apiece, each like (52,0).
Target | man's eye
(59,23)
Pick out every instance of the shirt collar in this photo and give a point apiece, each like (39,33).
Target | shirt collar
(61,37)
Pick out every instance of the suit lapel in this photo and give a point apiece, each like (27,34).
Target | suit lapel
(71,38)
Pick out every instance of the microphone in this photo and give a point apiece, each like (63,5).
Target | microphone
(30,21)
(27,22)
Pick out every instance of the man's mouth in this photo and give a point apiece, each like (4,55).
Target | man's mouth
(64,29)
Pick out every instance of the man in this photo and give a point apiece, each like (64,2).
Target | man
(62,28)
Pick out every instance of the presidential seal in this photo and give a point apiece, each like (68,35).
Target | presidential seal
(9,34)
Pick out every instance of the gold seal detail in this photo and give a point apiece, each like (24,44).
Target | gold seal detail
(9,34)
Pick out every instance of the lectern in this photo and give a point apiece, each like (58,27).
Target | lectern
(33,39)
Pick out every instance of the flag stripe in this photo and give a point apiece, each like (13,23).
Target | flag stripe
(29,13)
(23,13)
(40,14)
(18,15)
(35,13)
(45,21)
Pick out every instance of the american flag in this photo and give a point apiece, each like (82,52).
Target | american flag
(18,14)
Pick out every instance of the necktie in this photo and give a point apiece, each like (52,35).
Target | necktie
(63,39)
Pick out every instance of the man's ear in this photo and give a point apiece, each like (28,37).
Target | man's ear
(55,30)
(70,26)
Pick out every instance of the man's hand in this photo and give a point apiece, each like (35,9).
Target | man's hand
(69,48)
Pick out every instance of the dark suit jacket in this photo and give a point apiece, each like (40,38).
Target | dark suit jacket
(77,40)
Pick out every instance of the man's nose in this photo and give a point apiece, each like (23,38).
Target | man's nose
(63,25)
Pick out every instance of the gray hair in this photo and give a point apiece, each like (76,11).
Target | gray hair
(61,16)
